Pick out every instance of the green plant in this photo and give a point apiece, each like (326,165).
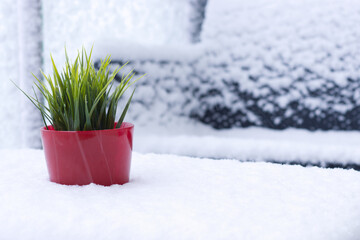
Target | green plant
(80,98)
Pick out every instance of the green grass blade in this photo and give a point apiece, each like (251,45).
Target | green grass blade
(121,119)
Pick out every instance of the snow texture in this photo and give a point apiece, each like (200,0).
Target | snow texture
(9,105)
(141,30)
(290,146)
(281,63)
(30,62)
(164,95)
(197,18)
(275,64)
(148,22)
(172,197)
(20,51)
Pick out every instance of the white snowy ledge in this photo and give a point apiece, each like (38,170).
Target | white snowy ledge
(172,197)
(320,148)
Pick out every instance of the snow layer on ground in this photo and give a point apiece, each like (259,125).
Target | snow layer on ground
(300,146)
(172,197)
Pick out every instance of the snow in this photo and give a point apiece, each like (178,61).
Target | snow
(274,64)
(146,33)
(146,22)
(172,197)
(20,55)
(76,23)
(165,94)
(29,22)
(320,148)
(282,53)
(9,134)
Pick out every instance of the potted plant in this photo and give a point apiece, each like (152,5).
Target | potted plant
(83,143)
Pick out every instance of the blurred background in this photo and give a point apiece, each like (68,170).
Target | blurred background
(210,64)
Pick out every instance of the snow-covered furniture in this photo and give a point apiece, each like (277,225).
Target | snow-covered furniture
(225,63)
(171,197)
(281,64)
(330,149)
(274,64)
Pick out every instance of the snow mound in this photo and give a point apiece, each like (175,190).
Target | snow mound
(171,197)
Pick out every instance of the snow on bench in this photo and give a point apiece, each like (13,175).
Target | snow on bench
(292,146)
(280,64)
(275,64)
(172,197)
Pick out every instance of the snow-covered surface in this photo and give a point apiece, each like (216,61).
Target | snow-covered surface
(275,63)
(147,22)
(280,63)
(252,144)
(172,197)
(267,63)
(165,94)
(149,31)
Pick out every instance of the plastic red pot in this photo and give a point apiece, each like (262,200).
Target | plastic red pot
(83,157)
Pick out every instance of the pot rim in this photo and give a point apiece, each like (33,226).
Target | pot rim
(124,126)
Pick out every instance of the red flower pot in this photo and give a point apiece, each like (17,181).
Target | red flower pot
(83,157)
